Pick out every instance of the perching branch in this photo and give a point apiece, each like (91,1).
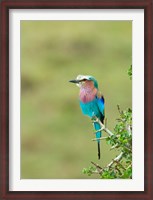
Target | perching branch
(109,133)
(102,127)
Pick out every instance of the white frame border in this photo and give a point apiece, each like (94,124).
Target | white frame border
(137,182)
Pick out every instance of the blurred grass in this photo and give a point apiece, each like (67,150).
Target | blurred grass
(55,136)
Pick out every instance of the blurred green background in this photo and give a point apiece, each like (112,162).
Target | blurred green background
(55,136)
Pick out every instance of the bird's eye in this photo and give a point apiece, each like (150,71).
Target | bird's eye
(84,79)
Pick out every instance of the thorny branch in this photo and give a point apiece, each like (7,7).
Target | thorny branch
(102,127)
(117,159)
(99,169)
(95,119)
(115,166)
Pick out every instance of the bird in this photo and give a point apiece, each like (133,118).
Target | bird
(92,102)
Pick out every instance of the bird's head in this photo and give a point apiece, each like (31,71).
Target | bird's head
(82,79)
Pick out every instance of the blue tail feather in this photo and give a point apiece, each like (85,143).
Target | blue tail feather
(97,127)
(98,135)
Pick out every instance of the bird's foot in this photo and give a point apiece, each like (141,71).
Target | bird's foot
(94,119)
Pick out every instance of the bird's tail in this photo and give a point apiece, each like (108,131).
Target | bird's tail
(98,135)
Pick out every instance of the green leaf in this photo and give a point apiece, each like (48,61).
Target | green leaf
(130,72)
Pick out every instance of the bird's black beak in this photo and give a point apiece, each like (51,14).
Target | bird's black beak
(74,81)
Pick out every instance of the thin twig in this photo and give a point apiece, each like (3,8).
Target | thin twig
(102,138)
(115,146)
(125,146)
(118,169)
(99,169)
(96,165)
(128,128)
(118,158)
(129,166)
(118,163)
(101,129)
(119,110)
(95,172)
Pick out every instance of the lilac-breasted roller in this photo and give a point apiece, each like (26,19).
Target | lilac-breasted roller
(91,101)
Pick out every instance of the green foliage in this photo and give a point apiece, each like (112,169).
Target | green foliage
(121,166)
(88,171)
(108,174)
(122,132)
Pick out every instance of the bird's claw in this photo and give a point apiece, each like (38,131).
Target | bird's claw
(94,119)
